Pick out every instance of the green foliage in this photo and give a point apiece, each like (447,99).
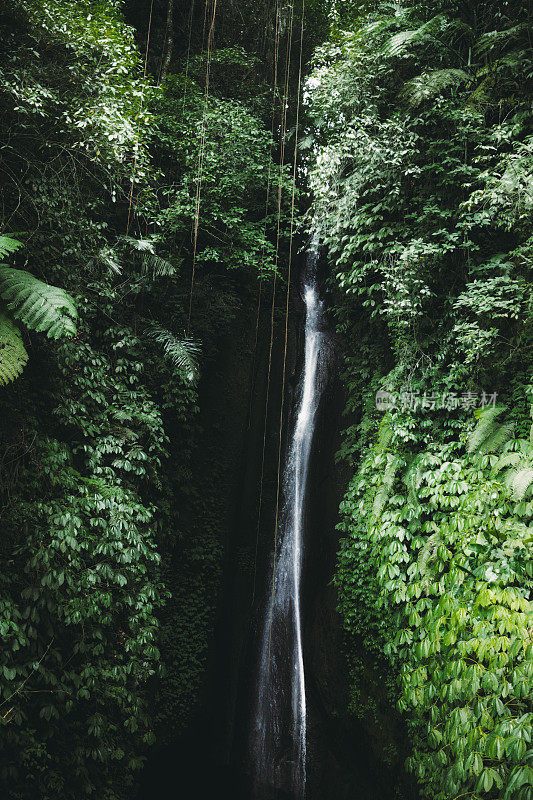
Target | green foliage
(181,352)
(454,571)
(38,305)
(489,436)
(412,201)
(516,467)
(430,84)
(225,155)
(105,502)
(13,355)
(80,602)
(421,174)
(8,245)
(100,104)
(144,249)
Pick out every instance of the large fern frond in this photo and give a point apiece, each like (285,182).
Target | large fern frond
(498,40)
(13,355)
(489,436)
(506,461)
(397,43)
(38,305)
(521,483)
(181,352)
(433,83)
(8,245)
(400,41)
(497,438)
(411,479)
(384,436)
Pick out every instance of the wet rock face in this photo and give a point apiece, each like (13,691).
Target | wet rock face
(353,733)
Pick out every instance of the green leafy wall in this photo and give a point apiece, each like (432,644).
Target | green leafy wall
(420,159)
(114,475)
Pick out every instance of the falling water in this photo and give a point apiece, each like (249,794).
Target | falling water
(279,735)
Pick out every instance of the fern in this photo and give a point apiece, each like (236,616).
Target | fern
(148,258)
(489,436)
(499,40)
(428,553)
(521,482)
(411,479)
(384,436)
(110,259)
(506,461)
(431,84)
(497,438)
(517,467)
(400,41)
(38,305)
(181,352)
(8,245)
(13,355)
(397,43)
(387,482)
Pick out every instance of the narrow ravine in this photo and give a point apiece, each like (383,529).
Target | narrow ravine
(279,730)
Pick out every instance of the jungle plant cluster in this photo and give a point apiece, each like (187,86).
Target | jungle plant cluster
(112,542)
(420,163)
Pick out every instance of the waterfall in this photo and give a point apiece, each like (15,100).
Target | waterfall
(279,729)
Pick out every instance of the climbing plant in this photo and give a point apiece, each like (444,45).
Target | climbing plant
(113,475)
(419,163)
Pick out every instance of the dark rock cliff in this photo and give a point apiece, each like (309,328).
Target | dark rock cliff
(353,752)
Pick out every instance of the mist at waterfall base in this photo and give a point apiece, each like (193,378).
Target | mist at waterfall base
(278,740)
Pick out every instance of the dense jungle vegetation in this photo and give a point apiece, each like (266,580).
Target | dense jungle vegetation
(146,201)
(423,195)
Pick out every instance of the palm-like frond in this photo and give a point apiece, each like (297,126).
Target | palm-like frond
(426,32)
(13,355)
(38,305)
(143,245)
(181,352)
(157,266)
(433,83)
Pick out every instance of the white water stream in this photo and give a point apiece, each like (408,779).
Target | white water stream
(279,733)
